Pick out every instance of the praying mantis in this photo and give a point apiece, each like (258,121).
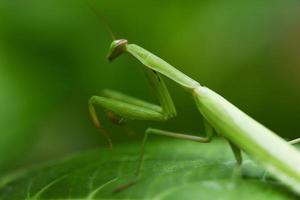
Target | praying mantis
(242,132)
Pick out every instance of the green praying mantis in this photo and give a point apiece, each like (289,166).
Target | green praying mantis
(242,132)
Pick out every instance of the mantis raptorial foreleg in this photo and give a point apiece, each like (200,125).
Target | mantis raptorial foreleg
(132,108)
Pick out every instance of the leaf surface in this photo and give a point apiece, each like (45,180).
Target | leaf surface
(171,170)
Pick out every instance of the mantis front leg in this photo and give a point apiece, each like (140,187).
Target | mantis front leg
(132,108)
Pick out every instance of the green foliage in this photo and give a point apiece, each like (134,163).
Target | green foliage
(172,170)
(52,59)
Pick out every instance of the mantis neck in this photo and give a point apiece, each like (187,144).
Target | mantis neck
(157,64)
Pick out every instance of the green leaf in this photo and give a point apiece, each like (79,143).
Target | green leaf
(172,170)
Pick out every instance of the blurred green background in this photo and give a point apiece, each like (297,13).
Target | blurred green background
(52,59)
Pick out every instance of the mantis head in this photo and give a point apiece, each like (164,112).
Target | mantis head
(117,47)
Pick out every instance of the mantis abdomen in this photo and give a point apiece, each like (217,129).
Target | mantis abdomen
(280,158)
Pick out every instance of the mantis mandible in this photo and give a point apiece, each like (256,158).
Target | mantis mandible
(280,158)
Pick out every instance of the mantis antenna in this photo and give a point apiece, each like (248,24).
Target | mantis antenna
(91,5)
(103,21)
(116,50)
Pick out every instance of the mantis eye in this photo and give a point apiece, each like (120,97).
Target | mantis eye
(117,47)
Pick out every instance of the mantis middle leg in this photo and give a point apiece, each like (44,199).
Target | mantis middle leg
(151,131)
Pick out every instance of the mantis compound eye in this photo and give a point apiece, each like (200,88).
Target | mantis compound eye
(117,47)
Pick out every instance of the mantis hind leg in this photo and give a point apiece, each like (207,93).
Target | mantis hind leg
(295,141)
(150,131)
(239,159)
(237,153)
